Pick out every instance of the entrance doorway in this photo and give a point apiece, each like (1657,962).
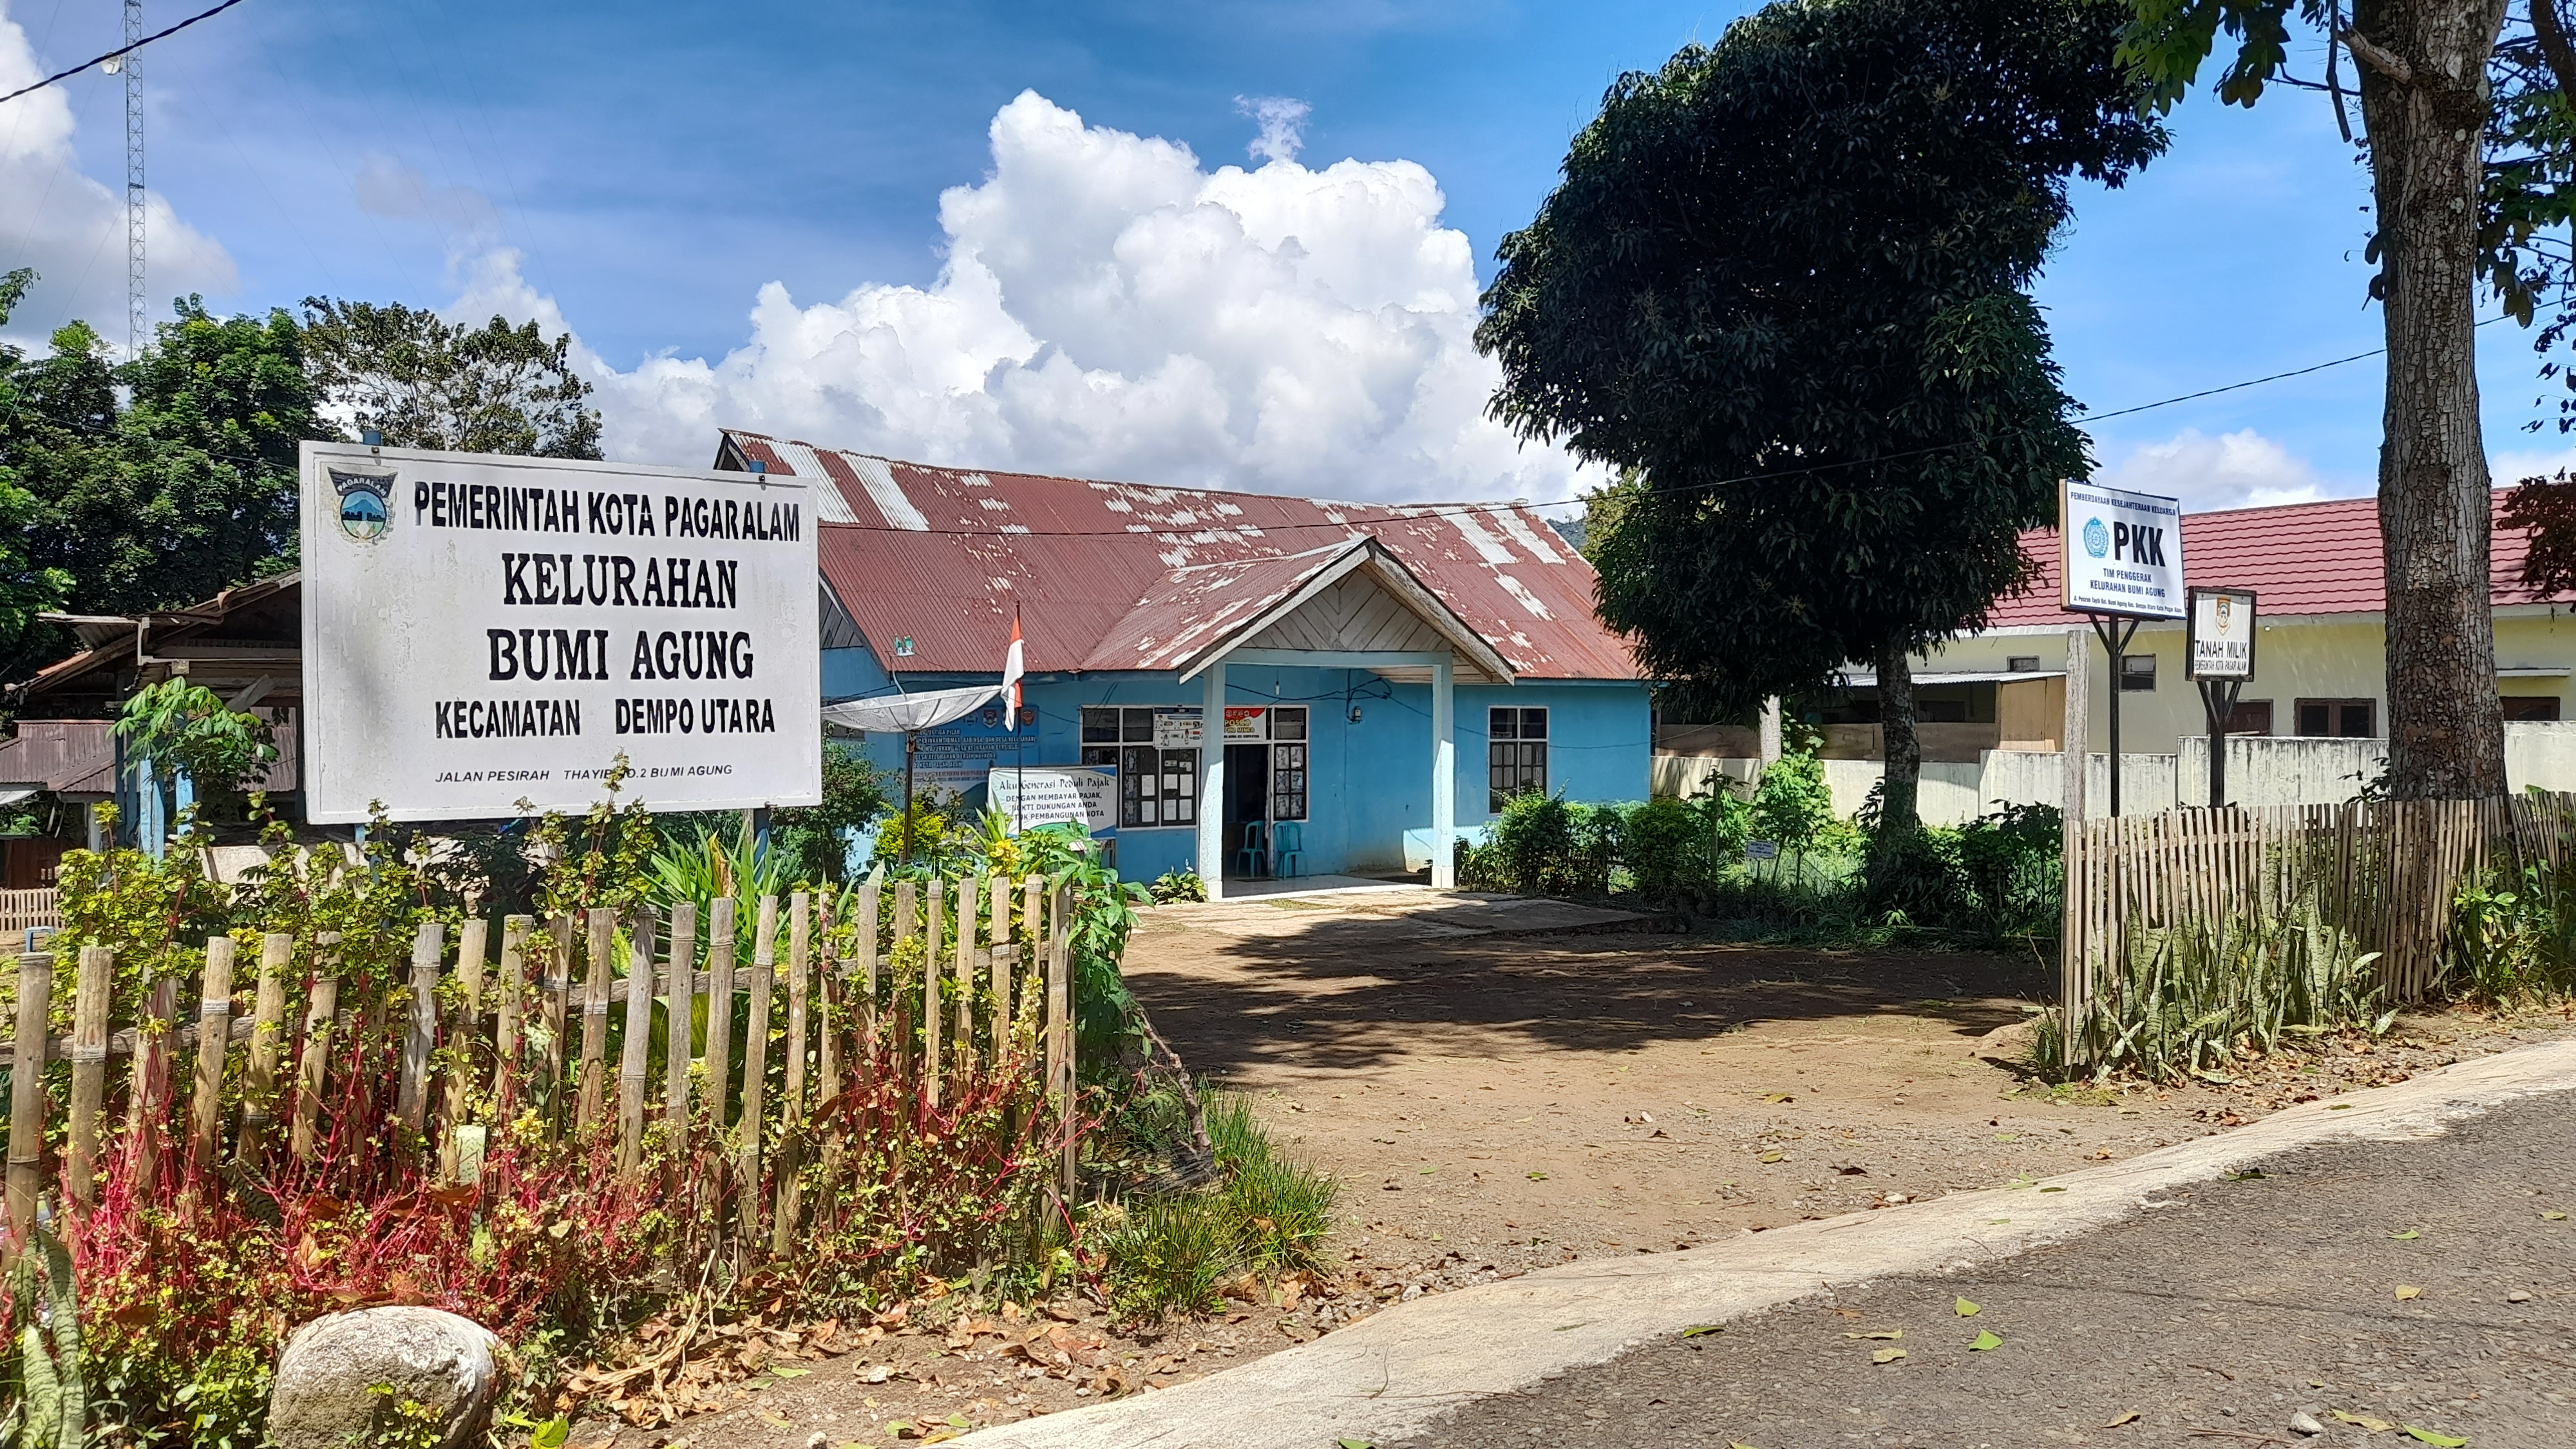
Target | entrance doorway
(1247,797)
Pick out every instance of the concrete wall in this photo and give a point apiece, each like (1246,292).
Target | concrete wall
(2316,657)
(2260,771)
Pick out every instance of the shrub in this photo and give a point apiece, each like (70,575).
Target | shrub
(2187,998)
(2513,935)
(1792,805)
(1182,884)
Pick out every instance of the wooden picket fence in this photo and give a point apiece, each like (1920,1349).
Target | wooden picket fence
(39,907)
(2386,872)
(992,989)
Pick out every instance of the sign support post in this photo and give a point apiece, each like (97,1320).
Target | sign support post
(2220,658)
(2115,633)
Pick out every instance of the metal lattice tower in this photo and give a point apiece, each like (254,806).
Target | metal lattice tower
(134,323)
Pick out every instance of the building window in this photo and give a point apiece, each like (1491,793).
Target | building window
(2531,706)
(1156,787)
(2021,664)
(1515,755)
(2137,672)
(2350,719)
(1287,782)
(2250,717)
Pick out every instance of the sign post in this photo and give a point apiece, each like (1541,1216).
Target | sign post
(2122,564)
(488,635)
(2220,659)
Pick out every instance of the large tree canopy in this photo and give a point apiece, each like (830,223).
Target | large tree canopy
(427,383)
(1781,284)
(181,489)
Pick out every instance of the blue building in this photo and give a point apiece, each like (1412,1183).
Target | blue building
(1240,674)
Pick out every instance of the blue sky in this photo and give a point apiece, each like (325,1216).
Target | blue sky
(639,174)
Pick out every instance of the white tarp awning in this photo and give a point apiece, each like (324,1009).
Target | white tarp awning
(900,713)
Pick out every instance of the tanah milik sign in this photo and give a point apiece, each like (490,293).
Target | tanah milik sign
(481,631)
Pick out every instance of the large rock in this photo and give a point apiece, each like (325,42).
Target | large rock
(326,1377)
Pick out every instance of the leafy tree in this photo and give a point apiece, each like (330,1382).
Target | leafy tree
(177,494)
(854,793)
(2467,129)
(428,383)
(182,726)
(1781,288)
(27,587)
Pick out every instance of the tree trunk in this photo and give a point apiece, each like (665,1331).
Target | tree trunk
(1904,769)
(2424,95)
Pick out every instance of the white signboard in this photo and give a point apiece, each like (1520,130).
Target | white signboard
(2122,551)
(1088,798)
(1176,729)
(481,630)
(2222,634)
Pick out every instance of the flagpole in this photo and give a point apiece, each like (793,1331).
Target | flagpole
(1019,746)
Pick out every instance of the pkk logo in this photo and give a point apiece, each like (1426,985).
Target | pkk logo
(2097,539)
(364,515)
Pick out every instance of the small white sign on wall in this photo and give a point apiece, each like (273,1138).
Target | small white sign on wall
(2121,551)
(1055,795)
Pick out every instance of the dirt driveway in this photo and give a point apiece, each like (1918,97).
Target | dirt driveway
(1502,1084)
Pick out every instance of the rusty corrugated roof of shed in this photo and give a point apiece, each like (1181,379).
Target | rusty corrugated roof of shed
(940,555)
(2299,558)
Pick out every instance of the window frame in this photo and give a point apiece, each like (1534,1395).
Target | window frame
(2537,708)
(1516,763)
(2336,719)
(2130,675)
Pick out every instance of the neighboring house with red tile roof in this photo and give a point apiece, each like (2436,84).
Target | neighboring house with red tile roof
(2320,665)
(1344,647)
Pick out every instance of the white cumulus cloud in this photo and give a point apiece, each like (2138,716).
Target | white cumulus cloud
(1109,307)
(2242,469)
(70,228)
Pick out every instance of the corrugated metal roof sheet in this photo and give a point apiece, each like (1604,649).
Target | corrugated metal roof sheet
(939,556)
(2299,558)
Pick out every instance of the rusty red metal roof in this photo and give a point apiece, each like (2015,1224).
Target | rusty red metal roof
(940,556)
(2299,558)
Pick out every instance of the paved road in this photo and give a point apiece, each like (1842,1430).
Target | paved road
(2214,1320)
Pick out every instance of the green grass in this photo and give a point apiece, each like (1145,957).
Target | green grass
(1266,1215)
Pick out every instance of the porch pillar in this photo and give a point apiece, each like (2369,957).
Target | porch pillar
(1212,782)
(1444,775)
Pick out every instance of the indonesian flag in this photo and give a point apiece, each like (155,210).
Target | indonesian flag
(1013,666)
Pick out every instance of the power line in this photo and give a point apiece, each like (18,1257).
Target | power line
(128,48)
(2259,381)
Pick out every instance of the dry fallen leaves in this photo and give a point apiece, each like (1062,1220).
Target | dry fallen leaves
(2130,1417)
(1887,1355)
(2375,1426)
(2406,1291)
(1878,1333)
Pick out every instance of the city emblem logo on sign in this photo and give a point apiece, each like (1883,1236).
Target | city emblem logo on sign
(2226,612)
(363,514)
(2097,539)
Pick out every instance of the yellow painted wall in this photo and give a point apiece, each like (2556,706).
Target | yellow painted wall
(2294,659)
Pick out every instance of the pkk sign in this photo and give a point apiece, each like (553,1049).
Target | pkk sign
(2222,634)
(1088,798)
(2122,551)
(481,631)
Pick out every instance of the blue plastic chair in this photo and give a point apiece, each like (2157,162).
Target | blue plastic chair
(1254,858)
(1287,848)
